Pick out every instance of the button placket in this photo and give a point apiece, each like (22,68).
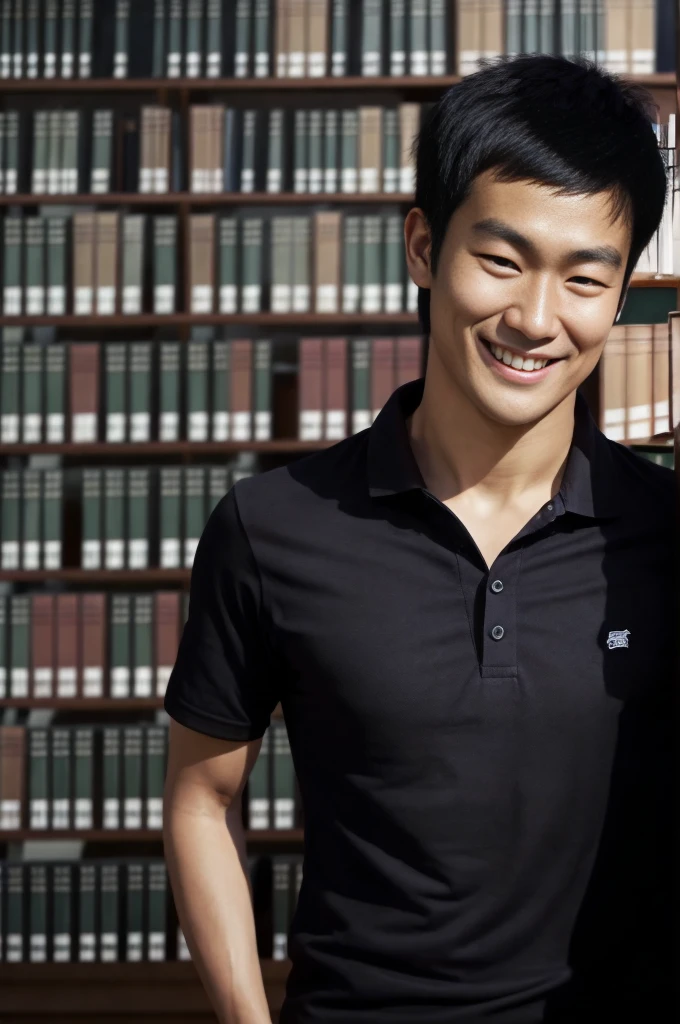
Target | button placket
(499,633)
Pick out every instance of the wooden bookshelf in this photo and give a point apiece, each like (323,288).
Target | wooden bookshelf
(98,577)
(266,837)
(191,199)
(214,319)
(158,449)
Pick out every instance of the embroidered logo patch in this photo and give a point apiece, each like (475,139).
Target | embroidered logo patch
(618,638)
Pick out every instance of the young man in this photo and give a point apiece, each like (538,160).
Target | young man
(466,613)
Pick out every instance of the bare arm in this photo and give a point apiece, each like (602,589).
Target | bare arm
(207,863)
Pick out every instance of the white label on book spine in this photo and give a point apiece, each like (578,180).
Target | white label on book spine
(311,424)
(228,295)
(132,812)
(263,425)
(143,681)
(258,812)
(247,179)
(3,682)
(419,62)
(242,426)
(350,298)
(56,299)
(370,298)
(85,65)
(281,65)
(407,180)
(55,427)
(300,181)
(174,62)
(138,553)
(32,427)
(86,951)
(100,180)
(335,424)
(67,65)
(280,946)
(83,300)
(283,812)
(315,179)
(170,552)
(114,554)
(106,299)
(15,942)
(38,948)
(327,298)
(261,64)
(38,813)
(201,298)
(140,426)
(281,298)
(411,296)
(145,179)
(348,179)
(120,681)
(10,181)
(62,947)
(316,64)
(370,62)
(91,554)
(398,62)
(84,427)
(213,61)
(38,181)
(164,298)
(12,300)
(169,426)
(67,678)
(35,300)
(134,946)
(83,812)
(161,181)
(10,554)
(394,298)
(42,682)
(240,65)
(198,426)
(52,554)
(193,64)
(31,554)
(162,678)
(361,418)
(251,298)
(330,181)
(273,179)
(93,681)
(301,298)
(220,426)
(109,947)
(10,811)
(156,945)
(9,428)
(190,545)
(60,813)
(154,812)
(368,180)
(115,427)
(390,179)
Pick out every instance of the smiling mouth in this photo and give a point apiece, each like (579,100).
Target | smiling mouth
(526,363)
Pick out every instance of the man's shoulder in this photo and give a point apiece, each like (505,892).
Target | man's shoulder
(649,485)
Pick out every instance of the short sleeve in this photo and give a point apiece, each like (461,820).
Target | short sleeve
(222,682)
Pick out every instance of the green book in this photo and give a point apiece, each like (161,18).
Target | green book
(372,268)
(213,39)
(393,294)
(18,51)
(169,388)
(5,38)
(32,399)
(418,56)
(351,264)
(339,37)
(282,264)
(115,355)
(261,39)
(194,41)
(315,158)
(55,143)
(301,264)
(198,353)
(102,152)
(371,36)
(114,518)
(37,913)
(121,39)
(155,759)
(133,754)
(140,390)
(87,934)
(218,485)
(56,266)
(68,33)
(50,22)
(11,504)
(15,924)
(158,53)
(330,151)
(170,516)
(397,17)
(12,290)
(361,384)
(228,265)
(111,773)
(349,150)
(83,750)
(194,511)
(62,912)
(38,778)
(157,910)
(52,518)
(300,151)
(134,925)
(165,260)
(109,896)
(10,392)
(242,42)
(390,150)
(259,796)
(139,488)
(247,178)
(175,36)
(284,777)
(134,234)
(119,671)
(275,152)
(262,387)
(35,266)
(60,777)
(142,646)
(220,378)
(85,38)
(2,152)
(251,292)
(281,899)
(31,495)
(91,547)
(3,646)
(55,367)
(11,151)
(438,34)
(39,169)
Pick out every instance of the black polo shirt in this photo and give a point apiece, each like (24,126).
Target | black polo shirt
(483,755)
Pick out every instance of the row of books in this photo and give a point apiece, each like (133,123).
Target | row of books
(359,149)
(199,390)
(121,909)
(118,518)
(328,262)
(89,645)
(314,38)
(112,777)
(637,376)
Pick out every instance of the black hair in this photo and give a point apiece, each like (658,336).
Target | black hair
(542,118)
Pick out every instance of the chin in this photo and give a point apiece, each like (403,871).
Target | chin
(521,413)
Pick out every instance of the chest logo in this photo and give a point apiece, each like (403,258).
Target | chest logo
(618,638)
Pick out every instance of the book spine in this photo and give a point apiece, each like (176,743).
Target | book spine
(87,902)
(157,890)
(31,525)
(418,56)
(3,649)
(32,397)
(371,36)
(83,777)
(52,518)
(68,27)
(18,40)
(242,66)
(16,924)
(339,37)
(133,753)
(100,180)
(259,792)
(32,34)
(165,261)
(213,47)
(85,38)
(197,391)
(302,285)
(50,38)
(251,293)
(5,38)
(134,226)
(67,660)
(62,913)
(351,271)
(84,389)
(12,290)
(335,387)
(38,776)
(228,265)
(275,151)
(202,262)
(174,65)
(169,388)
(330,157)
(93,644)
(119,672)
(91,553)
(263,390)
(301,163)
(194,511)
(158,54)
(83,262)
(397,17)
(437,37)
(361,384)
(114,519)
(167,625)
(2,153)
(11,151)
(194,42)
(106,263)
(56,266)
(261,39)
(284,778)
(218,485)
(315,160)
(43,653)
(170,517)
(35,266)
(155,763)
(61,778)
(140,391)
(11,548)
(371,283)
(134,918)
(109,911)
(327,235)
(349,150)
(311,404)
(116,392)
(393,293)
(38,913)
(247,182)
(55,141)
(280,905)
(139,486)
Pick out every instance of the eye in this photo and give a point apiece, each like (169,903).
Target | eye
(588,280)
(499,260)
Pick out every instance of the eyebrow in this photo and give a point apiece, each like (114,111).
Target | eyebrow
(605,254)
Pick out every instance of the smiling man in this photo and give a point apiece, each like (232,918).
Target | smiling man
(466,611)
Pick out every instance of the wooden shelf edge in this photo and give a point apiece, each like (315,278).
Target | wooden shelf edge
(21,835)
(214,319)
(95,575)
(203,199)
(155,448)
(175,970)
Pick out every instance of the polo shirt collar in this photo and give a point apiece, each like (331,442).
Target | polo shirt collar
(590,484)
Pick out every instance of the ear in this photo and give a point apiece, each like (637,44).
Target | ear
(418,243)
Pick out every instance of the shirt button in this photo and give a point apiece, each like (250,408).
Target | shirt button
(549,508)
(497,586)
(497,632)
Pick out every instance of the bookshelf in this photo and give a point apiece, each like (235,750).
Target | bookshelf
(172,991)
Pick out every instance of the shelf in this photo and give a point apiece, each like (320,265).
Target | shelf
(84,703)
(225,319)
(271,836)
(364,83)
(98,576)
(153,449)
(205,199)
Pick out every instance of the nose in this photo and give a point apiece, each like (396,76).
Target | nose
(533,309)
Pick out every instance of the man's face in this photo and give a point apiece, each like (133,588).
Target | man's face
(531,295)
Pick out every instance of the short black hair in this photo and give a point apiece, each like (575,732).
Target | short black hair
(543,118)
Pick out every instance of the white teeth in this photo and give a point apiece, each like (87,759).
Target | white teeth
(517,362)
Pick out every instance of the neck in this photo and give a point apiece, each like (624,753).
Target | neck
(461,452)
